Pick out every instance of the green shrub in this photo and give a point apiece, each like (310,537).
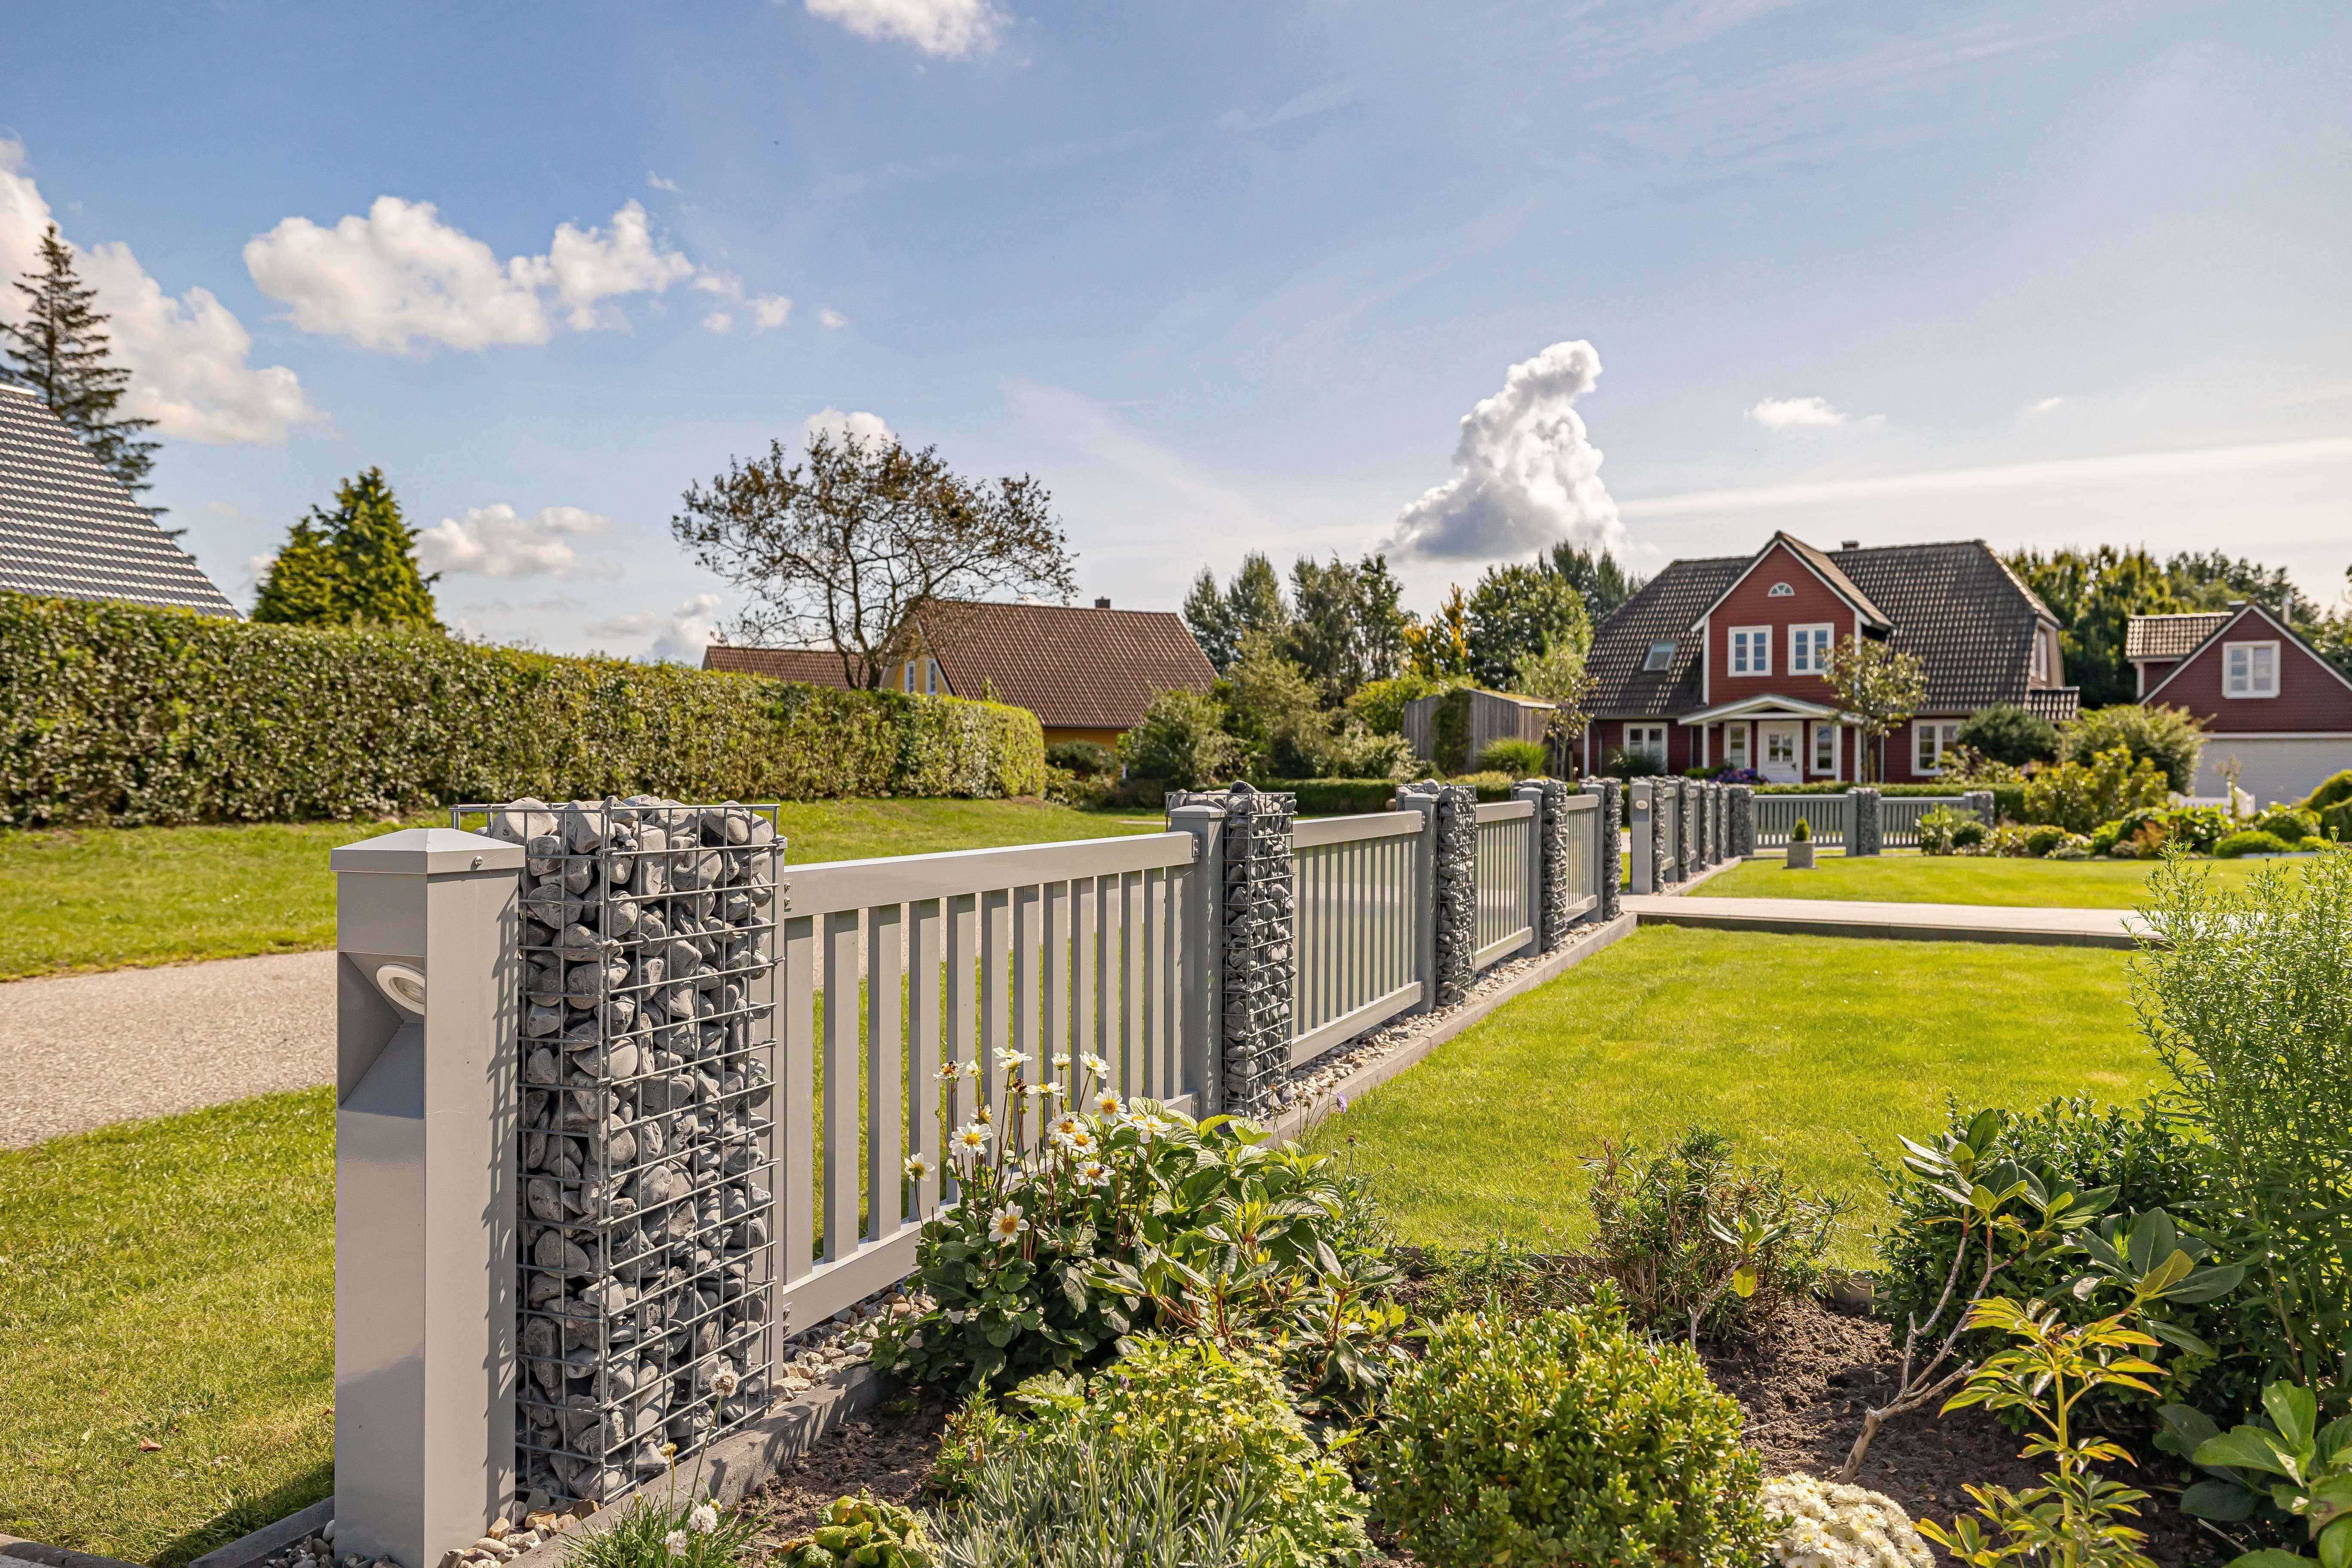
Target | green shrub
(1088,758)
(1338,798)
(1565,1437)
(2078,796)
(1489,786)
(1218,1425)
(1088,792)
(120,713)
(2042,839)
(2167,737)
(1378,705)
(2247,996)
(640,1534)
(1800,832)
(1946,828)
(1069,1505)
(1700,1245)
(2007,733)
(2336,789)
(1520,759)
(2288,824)
(1180,740)
(2238,844)
(2014,840)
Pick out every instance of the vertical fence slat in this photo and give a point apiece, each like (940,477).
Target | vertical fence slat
(797,1187)
(1083,969)
(1106,966)
(1053,1003)
(995,936)
(1148,982)
(1171,1011)
(962,1002)
(885,1103)
(1025,944)
(840,1084)
(923,1048)
(1130,987)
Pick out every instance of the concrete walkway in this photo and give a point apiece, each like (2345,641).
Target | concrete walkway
(1901,922)
(82,1050)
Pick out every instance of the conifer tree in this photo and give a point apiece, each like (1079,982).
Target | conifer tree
(303,584)
(352,566)
(62,350)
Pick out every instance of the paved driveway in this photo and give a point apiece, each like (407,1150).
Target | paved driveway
(82,1050)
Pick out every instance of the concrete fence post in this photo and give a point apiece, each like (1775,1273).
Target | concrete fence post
(1673,825)
(1864,835)
(427,982)
(1257,961)
(1741,832)
(1453,888)
(1641,831)
(1204,946)
(1606,828)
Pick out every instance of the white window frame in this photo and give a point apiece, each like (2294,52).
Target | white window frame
(1930,738)
(1735,746)
(1655,730)
(1651,661)
(1824,732)
(1796,751)
(2041,655)
(1800,647)
(2231,652)
(928,682)
(1751,650)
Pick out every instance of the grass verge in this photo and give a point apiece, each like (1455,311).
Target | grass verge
(1961,879)
(115,898)
(1808,1051)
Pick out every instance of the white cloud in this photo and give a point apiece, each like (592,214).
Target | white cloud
(830,319)
(498,542)
(770,312)
(187,357)
(2047,405)
(1526,474)
(869,428)
(767,311)
(1793,413)
(401,277)
(725,285)
(655,181)
(948,27)
(222,509)
(718,321)
(680,636)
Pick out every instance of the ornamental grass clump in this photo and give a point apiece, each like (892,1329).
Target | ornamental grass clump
(1564,1438)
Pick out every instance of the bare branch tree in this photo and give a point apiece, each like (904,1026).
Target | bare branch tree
(841,546)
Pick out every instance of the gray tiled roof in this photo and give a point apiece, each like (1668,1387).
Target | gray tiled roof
(1963,613)
(2170,637)
(68,529)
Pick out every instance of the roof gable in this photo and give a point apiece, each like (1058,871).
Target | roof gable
(1832,574)
(1074,668)
(68,530)
(2231,621)
(2172,636)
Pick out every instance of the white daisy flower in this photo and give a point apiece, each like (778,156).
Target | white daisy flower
(918,1166)
(1065,1124)
(1044,1091)
(971,1138)
(1093,1174)
(1146,1128)
(951,1071)
(1006,1224)
(1094,1065)
(1061,1061)
(1105,1104)
(1011,1061)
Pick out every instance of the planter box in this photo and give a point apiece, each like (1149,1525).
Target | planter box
(1801,856)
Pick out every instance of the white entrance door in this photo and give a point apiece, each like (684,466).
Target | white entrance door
(1779,738)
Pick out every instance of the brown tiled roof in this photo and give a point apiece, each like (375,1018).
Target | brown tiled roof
(1074,668)
(2170,637)
(804,666)
(1963,613)
(1823,562)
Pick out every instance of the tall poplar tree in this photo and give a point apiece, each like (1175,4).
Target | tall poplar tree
(60,349)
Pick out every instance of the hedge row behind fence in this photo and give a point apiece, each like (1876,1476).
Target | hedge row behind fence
(118,714)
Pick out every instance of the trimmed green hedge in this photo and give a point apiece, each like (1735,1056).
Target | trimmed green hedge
(117,713)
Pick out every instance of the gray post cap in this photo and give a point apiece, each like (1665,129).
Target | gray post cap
(427,851)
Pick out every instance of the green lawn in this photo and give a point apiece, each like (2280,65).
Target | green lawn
(1961,879)
(1807,1051)
(111,898)
(172,1281)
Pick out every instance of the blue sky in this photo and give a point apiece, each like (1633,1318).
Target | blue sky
(1225,276)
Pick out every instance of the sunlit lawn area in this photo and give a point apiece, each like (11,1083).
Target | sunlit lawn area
(1806,1050)
(1913,879)
(111,897)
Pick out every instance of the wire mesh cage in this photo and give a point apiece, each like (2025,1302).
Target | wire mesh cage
(646,1287)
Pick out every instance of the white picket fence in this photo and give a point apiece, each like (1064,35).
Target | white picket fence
(1827,814)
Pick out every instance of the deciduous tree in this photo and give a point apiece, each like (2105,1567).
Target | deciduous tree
(1594,574)
(1517,613)
(838,546)
(1878,686)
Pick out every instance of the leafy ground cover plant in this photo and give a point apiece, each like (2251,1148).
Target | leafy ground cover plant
(1564,1438)
(2289,1470)
(1699,1244)
(863,1531)
(2247,996)
(1944,829)
(1217,1426)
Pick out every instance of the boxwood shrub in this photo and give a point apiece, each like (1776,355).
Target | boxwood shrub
(1565,1437)
(129,715)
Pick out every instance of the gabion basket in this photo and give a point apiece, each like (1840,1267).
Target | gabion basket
(645,1294)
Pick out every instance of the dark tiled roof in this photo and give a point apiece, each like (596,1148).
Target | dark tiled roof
(1955,606)
(2170,637)
(1663,610)
(1074,668)
(68,529)
(2059,704)
(804,666)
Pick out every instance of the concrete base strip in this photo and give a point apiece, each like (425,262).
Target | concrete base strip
(1294,1123)
(1897,922)
(731,1469)
(14,1550)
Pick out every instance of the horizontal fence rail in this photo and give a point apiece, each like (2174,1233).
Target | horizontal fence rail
(895,967)
(1506,880)
(1827,814)
(1899,814)
(1357,891)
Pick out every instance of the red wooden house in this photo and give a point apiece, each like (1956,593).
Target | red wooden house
(2276,709)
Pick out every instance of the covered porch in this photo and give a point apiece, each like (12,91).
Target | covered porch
(1785,740)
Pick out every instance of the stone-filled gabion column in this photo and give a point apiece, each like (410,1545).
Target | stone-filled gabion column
(1742,825)
(1453,890)
(1552,825)
(1722,841)
(1258,961)
(1863,833)
(1709,797)
(649,955)
(1612,820)
(1985,804)
(1666,809)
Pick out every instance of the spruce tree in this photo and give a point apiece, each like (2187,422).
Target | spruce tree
(303,585)
(351,566)
(62,350)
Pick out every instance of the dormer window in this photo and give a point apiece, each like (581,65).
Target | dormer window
(2250,669)
(1661,656)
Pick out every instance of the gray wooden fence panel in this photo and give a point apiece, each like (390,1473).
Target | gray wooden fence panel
(1826,815)
(1507,860)
(1354,913)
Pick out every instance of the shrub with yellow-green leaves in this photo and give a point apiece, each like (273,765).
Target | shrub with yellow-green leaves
(861,1532)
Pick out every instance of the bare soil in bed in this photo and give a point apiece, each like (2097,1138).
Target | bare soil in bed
(1804,1386)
